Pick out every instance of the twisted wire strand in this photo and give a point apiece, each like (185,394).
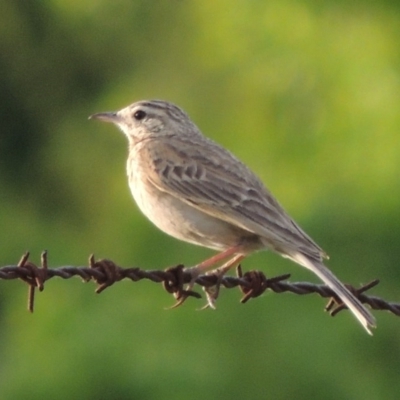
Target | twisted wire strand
(252,284)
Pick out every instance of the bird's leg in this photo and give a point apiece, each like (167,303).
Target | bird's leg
(207,264)
(210,262)
(212,292)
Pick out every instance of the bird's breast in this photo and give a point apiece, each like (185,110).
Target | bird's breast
(180,219)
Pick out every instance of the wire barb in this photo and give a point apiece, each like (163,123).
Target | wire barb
(335,304)
(36,277)
(252,284)
(259,283)
(175,285)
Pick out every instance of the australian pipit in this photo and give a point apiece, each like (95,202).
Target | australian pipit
(193,189)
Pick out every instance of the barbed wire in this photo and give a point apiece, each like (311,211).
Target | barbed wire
(252,284)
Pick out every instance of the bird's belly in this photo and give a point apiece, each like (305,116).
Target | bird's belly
(185,222)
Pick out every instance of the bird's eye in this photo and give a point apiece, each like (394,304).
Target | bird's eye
(139,115)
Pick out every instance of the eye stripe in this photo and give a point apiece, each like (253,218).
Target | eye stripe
(174,112)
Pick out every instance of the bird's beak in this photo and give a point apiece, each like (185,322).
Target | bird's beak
(107,117)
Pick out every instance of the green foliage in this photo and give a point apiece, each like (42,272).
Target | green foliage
(305,92)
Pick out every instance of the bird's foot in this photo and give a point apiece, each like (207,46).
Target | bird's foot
(212,292)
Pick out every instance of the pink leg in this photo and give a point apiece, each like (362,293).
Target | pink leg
(212,293)
(210,262)
(238,255)
(229,264)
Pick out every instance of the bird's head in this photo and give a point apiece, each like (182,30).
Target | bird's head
(149,118)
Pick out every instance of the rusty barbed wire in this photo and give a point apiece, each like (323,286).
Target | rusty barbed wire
(252,284)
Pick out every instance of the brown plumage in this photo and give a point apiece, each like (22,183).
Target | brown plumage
(195,190)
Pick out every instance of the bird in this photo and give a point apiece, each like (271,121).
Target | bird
(195,190)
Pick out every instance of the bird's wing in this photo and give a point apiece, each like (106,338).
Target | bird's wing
(209,178)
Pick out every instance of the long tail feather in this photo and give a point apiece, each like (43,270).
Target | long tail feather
(356,307)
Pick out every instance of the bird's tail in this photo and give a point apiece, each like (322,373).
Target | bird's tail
(354,305)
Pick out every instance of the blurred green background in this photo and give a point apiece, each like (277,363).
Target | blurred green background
(307,93)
